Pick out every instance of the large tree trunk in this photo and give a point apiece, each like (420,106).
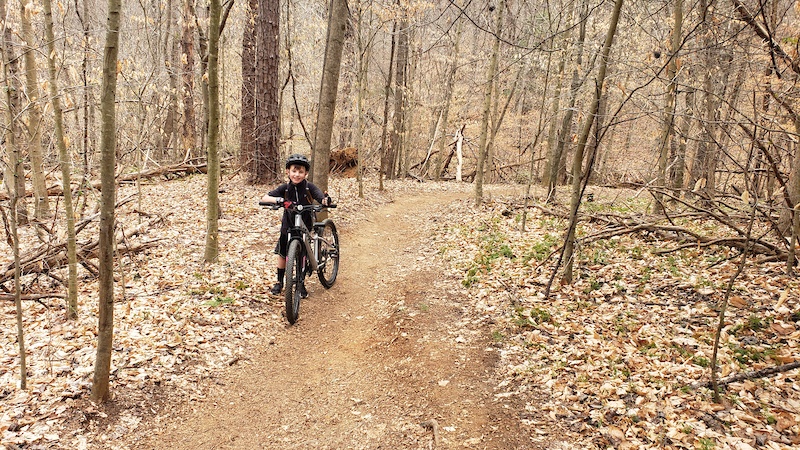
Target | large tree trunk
(337,22)
(189,128)
(483,149)
(577,162)
(212,217)
(265,164)
(668,125)
(65,163)
(105,331)
(41,204)
(247,141)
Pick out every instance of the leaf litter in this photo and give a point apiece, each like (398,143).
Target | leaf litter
(616,352)
(620,349)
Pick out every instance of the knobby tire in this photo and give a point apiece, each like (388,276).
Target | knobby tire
(328,253)
(294,276)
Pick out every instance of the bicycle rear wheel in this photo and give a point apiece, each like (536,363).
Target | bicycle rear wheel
(294,276)
(328,253)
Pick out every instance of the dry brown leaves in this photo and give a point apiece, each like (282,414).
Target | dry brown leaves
(618,349)
(177,320)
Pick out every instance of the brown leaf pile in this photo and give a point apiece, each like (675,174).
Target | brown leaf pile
(619,349)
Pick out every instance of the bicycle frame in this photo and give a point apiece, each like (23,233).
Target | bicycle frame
(300,232)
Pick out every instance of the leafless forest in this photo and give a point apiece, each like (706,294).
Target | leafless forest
(714,90)
(693,104)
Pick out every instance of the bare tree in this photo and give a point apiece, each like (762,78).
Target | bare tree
(578,177)
(483,149)
(669,102)
(12,186)
(105,328)
(212,204)
(189,131)
(400,86)
(247,141)
(15,175)
(65,163)
(337,22)
(34,125)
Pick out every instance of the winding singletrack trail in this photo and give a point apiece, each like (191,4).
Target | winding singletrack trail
(388,358)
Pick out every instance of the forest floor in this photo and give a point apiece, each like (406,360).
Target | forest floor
(435,335)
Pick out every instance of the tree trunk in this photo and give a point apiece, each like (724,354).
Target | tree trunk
(448,95)
(566,121)
(385,152)
(554,110)
(212,217)
(247,141)
(535,143)
(363,47)
(105,331)
(172,61)
(88,136)
(13,192)
(705,160)
(577,162)
(337,22)
(678,173)
(487,104)
(15,175)
(400,82)
(189,128)
(264,167)
(669,104)
(41,203)
(65,163)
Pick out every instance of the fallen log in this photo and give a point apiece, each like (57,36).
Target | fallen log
(50,257)
(761,373)
(181,169)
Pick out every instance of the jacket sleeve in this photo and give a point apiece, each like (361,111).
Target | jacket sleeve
(316,193)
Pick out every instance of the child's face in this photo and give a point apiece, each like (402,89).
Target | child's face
(296,173)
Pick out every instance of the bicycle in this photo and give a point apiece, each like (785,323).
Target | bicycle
(322,244)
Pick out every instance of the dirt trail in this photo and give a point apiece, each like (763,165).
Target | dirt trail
(390,347)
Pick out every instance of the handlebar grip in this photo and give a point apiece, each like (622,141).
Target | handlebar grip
(260,203)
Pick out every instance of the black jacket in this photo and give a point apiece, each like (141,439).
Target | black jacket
(303,194)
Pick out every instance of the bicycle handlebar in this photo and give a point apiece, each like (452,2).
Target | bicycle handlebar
(296,207)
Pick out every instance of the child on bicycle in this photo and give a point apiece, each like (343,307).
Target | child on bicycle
(297,191)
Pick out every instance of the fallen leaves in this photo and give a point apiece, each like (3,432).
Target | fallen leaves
(618,348)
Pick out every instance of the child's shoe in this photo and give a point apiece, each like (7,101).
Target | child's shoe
(276,290)
(303,291)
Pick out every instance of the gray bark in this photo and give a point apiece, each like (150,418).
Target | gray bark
(105,329)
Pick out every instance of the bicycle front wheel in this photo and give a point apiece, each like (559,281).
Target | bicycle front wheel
(294,276)
(328,253)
